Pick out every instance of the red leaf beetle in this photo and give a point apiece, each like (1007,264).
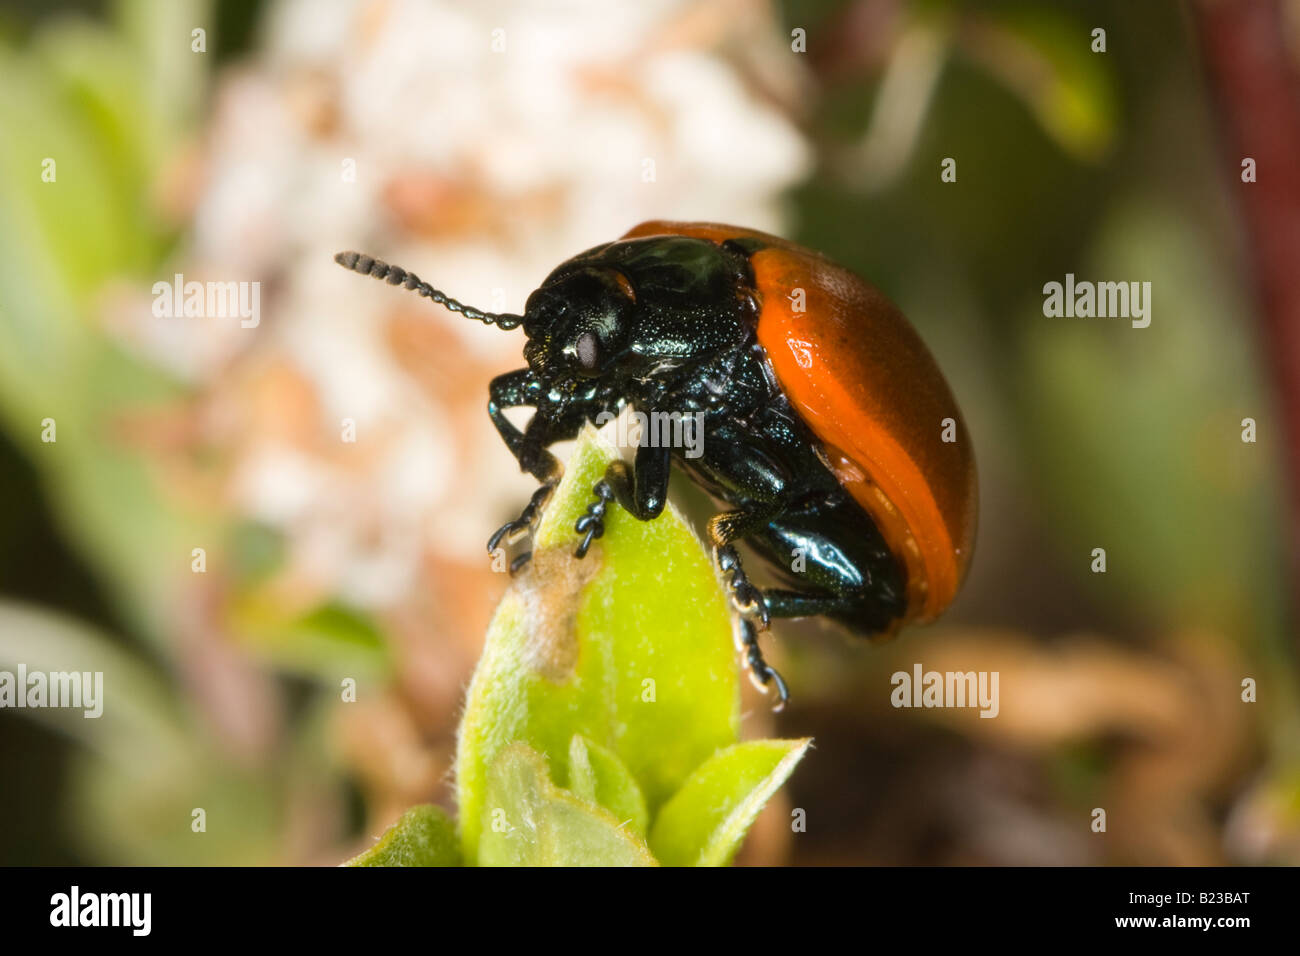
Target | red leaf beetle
(828,429)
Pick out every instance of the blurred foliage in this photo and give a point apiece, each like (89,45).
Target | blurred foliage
(96,103)
(113,104)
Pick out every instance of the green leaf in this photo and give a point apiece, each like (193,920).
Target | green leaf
(631,648)
(531,822)
(598,776)
(704,822)
(422,836)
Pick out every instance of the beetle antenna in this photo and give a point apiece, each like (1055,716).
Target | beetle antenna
(394,275)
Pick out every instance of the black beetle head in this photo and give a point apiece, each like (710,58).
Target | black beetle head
(579,323)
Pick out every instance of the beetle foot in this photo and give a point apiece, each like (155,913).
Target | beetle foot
(761,674)
(513,531)
(592,524)
(748,600)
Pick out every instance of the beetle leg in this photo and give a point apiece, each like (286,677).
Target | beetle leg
(749,601)
(512,531)
(514,390)
(869,614)
(641,490)
(723,529)
(592,524)
(761,674)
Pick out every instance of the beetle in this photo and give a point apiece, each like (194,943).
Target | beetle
(829,432)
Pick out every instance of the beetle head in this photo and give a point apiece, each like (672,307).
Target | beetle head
(579,323)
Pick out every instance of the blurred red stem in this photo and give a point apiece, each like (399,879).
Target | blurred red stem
(1256,82)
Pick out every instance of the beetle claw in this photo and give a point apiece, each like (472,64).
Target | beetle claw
(774,686)
(515,530)
(761,674)
(510,531)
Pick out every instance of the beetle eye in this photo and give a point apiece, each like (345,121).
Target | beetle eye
(588,350)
